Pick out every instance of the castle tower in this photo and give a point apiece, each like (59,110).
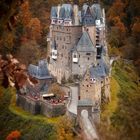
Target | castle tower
(76,18)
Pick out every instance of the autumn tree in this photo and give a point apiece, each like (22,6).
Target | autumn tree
(64,129)
(24,15)
(136,28)
(34,29)
(29,53)
(14,135)
(56,89)
(7,42)
(117,9)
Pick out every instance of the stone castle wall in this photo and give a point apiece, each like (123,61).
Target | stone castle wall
(59,72)
(51,110)
(40,106)
(90,90)
(106,88)
(84,61)
(28,104)
(66,38)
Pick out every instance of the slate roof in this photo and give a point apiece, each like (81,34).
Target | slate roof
(101,70)
(40,71)
(80,16)
(54,12)
(62,13)
(67,7)
(66,12)
(84,9)
(85,44)
(96,11)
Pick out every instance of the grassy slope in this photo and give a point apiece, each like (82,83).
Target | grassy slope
(13,118)
(26,115)
(120,118)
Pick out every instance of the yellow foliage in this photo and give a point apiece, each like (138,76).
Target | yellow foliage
(64,129)
(111,107)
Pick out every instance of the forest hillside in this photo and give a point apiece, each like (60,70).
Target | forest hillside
(24,25)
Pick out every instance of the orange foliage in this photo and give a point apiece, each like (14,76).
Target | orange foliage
(14,135)
(136,25)
(23,39)
(34,27)
(117,9)
(25,14)
(119,24)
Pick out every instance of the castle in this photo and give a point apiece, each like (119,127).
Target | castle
(78,48)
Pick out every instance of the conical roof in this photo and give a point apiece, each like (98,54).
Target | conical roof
(85,43)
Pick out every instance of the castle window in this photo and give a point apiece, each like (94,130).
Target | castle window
(88,58)
(87,86)
(86,90)
(79,65)
(88,53)
(79,55)
(61,55)
(83,85)
(64,38)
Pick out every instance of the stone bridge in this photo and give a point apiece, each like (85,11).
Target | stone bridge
(82,110)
